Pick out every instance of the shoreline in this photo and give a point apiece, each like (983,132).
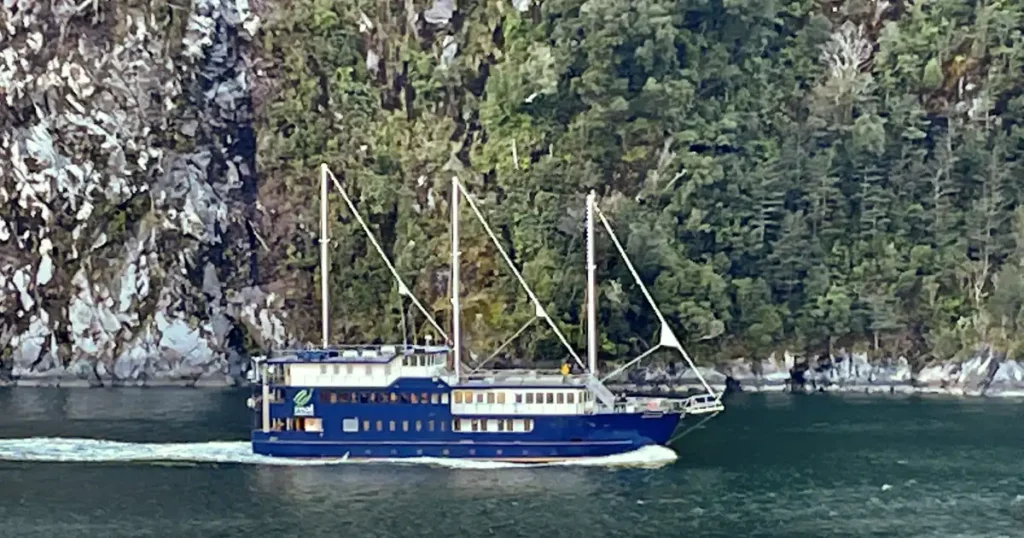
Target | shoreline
(653,389)
(986,374)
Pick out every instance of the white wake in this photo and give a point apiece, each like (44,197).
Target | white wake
(69,450)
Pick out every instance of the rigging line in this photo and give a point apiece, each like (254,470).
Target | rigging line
(690,430)
(540,308)
(402,288)
(619,370)
(502,346)
(650,300)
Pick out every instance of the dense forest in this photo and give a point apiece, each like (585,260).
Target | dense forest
(805,175)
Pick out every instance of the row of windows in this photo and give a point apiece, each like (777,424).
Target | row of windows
(330,396)
(368,369)
(498,397)
(493,425)
(351,425)
(350,369)
(297,424)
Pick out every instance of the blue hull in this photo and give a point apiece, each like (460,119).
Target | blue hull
(413,418)
(556,438)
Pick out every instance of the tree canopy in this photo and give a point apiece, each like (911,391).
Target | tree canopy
(785,174)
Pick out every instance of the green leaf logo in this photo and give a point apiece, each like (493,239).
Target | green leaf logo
(303,397)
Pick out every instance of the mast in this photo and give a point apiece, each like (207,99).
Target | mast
(323,255)
(456,313)
(591,288)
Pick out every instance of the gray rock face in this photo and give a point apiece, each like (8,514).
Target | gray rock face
(128,180)
(986,373)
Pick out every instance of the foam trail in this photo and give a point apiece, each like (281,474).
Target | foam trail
(69,450)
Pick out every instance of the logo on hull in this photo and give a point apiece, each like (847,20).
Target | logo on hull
(302,397)
(303,407)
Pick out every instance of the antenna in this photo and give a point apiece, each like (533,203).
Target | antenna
(591,287)
(324,239)
(456,310)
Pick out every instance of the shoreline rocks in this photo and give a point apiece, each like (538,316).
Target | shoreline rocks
(987,373)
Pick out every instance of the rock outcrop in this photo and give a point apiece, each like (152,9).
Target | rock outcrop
(127,184)
(986,373)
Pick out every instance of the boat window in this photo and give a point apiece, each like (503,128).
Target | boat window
(490,397)
(434,398)
(519,397)
(323,368)
(391,425)
(501,397)
(325,396)
(479,397)
(380,426)
(369,370)
(569,398)
(456,425)
(508,424)
(337,369)
(551,398)
(444,398)
(350,425)
(528,424)
(348,369)
(419,425)
(366,425)
(404,398)
(423,397)
(444,425)
(475,425)
(529,397)
(393,397)
(413,398)
(430,426)
(405,425)
(458,396)
(501,425)
(561,398)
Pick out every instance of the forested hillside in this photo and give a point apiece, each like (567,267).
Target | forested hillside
(796,175)
(793,175)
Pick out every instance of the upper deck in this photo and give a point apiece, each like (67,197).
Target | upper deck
(356,354)
(356,366)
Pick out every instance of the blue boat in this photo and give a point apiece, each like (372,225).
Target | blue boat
(408,401)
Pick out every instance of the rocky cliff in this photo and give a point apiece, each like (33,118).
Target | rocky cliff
(127,185)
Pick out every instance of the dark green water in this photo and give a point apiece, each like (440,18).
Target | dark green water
(773,465)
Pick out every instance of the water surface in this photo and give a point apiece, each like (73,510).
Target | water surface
(772,465)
